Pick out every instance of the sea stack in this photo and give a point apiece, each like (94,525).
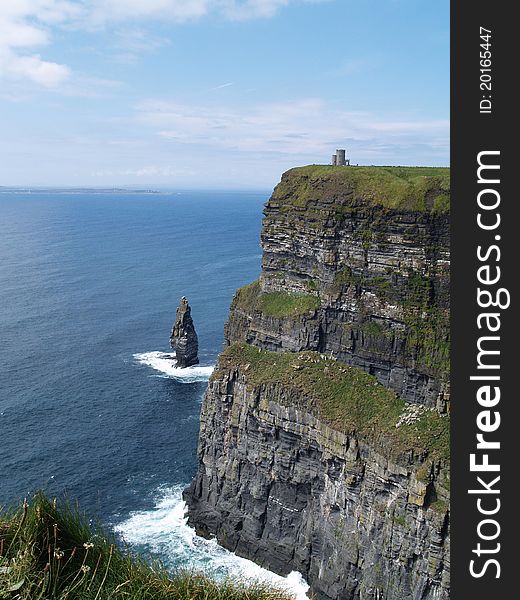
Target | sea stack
(183,338)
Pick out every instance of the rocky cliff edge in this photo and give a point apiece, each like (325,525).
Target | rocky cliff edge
(324,441)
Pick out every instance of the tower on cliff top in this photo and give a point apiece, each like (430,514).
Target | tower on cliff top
(339,159)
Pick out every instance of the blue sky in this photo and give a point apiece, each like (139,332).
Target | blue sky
(217,93)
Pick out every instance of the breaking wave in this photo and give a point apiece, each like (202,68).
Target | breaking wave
(164,363)
(164,532)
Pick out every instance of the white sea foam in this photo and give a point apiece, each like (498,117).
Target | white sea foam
(164,531)
(164,363)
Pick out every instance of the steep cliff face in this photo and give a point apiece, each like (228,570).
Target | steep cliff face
(324,442)
(366,255)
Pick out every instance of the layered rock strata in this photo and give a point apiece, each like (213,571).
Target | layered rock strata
(360,511)
(324,441)
(377,270)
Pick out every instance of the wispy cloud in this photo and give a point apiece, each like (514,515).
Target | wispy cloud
(101,12)
(145,172)
(306,128)
(249,9)
(130,44)
(241,10)
(222,86)
(353,66)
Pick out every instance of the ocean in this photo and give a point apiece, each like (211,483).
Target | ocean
(90,408)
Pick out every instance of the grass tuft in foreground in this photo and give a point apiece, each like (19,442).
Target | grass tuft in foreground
(50,552)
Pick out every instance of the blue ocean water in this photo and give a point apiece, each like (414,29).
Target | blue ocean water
(89,408)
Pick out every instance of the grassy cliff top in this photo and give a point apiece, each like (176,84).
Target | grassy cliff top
(346,398)
(424,189)
(48,552)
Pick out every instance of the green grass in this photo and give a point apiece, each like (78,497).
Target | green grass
(440,506)
(400,520)
(375,329)
(441,204)
(283,304)
(347,277)
(424,189)
(275,304)
(50,552)
(347,398)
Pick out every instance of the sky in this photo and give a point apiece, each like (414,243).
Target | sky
(217,93)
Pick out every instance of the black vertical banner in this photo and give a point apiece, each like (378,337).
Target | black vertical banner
(485,242)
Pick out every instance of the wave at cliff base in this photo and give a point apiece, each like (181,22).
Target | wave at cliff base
(164,532)
(164,363)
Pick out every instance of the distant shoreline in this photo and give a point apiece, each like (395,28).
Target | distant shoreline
(121,191)
(75,190)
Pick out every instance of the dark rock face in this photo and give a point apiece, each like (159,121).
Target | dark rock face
(381,277)
(183,338)
(278,485)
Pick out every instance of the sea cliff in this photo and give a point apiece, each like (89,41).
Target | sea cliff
(324,440)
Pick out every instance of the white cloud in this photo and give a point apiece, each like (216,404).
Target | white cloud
(102,11)
(306,128)
(106,11)
(24,26)
(250,9)
(27,24)
(32,67)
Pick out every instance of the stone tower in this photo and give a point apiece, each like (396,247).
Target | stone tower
(339,159)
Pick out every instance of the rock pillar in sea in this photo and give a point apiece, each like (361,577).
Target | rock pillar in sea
(183,338)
